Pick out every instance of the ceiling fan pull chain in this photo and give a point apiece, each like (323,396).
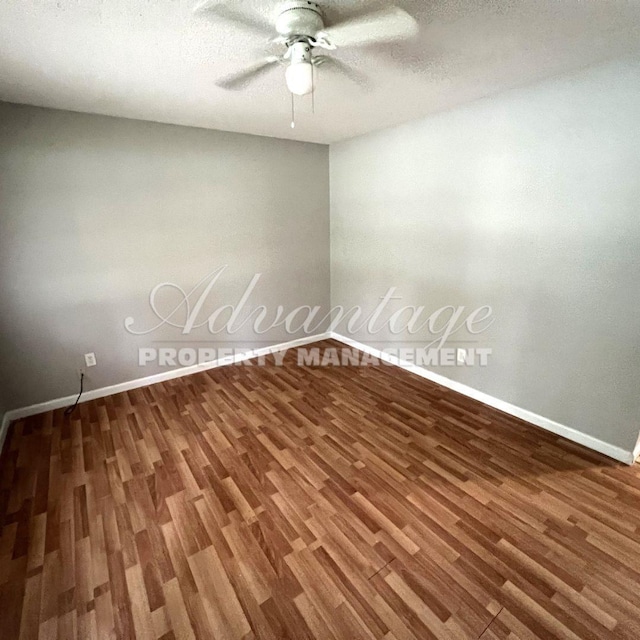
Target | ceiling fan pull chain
(293,113)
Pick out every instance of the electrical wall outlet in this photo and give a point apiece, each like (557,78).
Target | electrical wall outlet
(90,359)
(461,356)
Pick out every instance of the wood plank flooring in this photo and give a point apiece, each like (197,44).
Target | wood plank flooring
(298,502)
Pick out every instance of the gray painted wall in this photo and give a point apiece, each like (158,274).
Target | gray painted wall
(527,202)
(96,211)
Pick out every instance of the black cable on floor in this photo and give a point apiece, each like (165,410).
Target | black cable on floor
(69,410)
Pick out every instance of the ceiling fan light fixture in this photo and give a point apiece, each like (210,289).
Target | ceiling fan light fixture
(301,28)
(299,77)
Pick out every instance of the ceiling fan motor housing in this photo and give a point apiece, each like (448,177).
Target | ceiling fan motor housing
(300,18)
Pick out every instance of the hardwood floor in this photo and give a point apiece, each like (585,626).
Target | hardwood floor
(300,502)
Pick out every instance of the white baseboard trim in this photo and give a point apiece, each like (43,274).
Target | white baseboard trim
(628,457)
(94,394)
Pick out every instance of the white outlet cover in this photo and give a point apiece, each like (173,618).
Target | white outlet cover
(90,359)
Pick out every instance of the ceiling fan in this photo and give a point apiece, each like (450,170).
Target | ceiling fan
(300,27)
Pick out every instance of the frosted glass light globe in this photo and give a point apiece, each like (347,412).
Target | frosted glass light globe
(299,76)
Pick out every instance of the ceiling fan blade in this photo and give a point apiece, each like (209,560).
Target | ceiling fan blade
(222,10)
(241,79)
(327,62)
(386,25)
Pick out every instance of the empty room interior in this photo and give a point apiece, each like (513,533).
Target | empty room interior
(319,320)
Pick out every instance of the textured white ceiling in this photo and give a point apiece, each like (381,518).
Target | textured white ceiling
(157,60)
